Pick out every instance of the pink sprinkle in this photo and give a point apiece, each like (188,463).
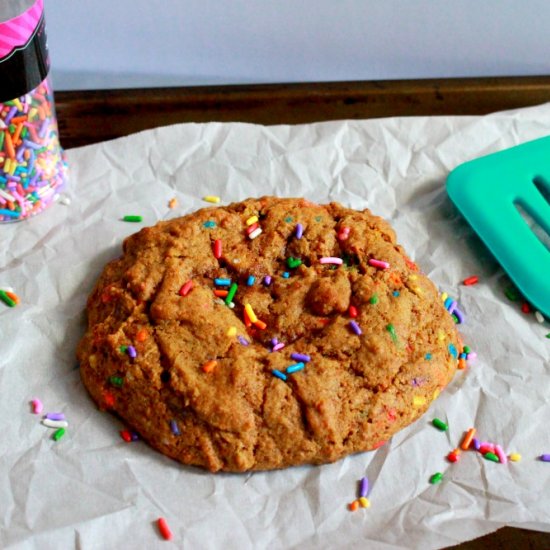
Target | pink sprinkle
(501,455)
(343,234)
(37,406)
(331,260)
(279,346)
(471,356)
(378,264)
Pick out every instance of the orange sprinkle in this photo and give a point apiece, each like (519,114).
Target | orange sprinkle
(468,439)
(8,144)
(17,133)
(396,279)
(142,335)
(172,203)
(13,296)
(354,505)
(462,363)
(260,324)
(209,366)
(221,293)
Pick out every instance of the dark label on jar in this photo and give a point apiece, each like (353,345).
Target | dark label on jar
(24,60)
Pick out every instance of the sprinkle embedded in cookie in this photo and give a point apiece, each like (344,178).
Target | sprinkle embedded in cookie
(265,334)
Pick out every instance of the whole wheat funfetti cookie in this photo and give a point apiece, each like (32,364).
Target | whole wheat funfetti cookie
(330,342)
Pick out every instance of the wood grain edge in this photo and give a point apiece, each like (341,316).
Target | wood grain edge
(96,115)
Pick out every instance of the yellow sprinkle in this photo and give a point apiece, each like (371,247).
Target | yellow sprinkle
(436,393)
(232,331)
(413,277)
(418,401)
(441,335)
(417,290)
(444,296)
(17,104)
(211,198)
(250,313)
(33,112)
(251,220)
(364,502)
(515,457)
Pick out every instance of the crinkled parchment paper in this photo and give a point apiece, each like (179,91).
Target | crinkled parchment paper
(93,490)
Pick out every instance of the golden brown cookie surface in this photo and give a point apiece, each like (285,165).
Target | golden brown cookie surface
(209,385)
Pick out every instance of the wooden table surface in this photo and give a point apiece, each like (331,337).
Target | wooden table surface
(92,116)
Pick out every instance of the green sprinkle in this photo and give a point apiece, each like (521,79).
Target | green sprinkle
(58,434)
(6,299)
(116,381)
(209,223)
(231,293)
(512,294)
(288,219)
(318,218)
(466,349)
(391,329)
(455,318)
(123,349)
(374,299)
(491,456)
(436,478)
(548,335)
(439,424)
(132,218)
(293,263)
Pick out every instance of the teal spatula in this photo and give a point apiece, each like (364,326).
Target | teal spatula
(497,194)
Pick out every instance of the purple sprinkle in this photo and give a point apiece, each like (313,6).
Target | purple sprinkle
(459,315)
(545,457)
(453,305)
(43,129)
(242,340)
(132,352)
(364,487)
(267,280)
(475,443)
(355,327)
(300,357)
(274,341)
(10,115)
(174,427)
(55,416)
(134,436)
(299,230)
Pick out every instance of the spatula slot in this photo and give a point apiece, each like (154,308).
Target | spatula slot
(543,187)
(533,224)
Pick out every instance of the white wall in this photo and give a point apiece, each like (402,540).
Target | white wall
(118,43)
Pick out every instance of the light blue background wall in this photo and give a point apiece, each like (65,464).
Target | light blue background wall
(118,43)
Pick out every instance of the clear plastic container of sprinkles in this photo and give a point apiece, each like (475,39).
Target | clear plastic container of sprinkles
(32,164)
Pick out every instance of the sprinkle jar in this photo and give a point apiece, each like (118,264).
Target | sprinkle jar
(32,165)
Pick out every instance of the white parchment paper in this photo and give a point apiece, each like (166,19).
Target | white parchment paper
(93,490)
